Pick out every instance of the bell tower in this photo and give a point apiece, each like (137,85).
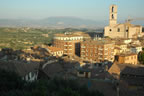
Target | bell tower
(113,15)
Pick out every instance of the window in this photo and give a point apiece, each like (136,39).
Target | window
(112,8)
(110,29)
(112,16)
(81,72)
(135,57)
(118,30)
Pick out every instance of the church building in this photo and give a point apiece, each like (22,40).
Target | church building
(126,30)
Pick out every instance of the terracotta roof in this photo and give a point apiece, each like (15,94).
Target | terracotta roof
(135,45)
(97,42)
(66,35)
(127,24)
(114,69)
(54,49)
(82,34)
(127,69)
(127,54)
(120,43)
(117,48)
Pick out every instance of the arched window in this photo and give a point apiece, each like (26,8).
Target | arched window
(110,29)
(112,8)
(112,16)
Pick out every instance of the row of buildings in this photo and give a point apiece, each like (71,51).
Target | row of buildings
(80,44)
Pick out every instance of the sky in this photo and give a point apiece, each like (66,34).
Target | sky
(86,9)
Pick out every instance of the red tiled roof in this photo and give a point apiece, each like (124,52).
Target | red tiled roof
(54,49)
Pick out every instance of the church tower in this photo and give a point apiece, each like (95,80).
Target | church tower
(113,15)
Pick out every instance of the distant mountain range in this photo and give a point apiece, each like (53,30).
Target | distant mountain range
(55,22)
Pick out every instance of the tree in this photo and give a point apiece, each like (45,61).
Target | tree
(68,92)
(10,81)
(12,85)
(141,57)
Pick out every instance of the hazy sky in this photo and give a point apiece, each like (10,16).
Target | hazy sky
(88,9)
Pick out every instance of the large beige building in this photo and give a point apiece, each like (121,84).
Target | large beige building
(126,30)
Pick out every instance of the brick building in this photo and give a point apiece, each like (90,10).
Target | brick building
(70,42)
(97,50)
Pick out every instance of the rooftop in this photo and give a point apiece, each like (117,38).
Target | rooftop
(127,54)
(21,68)
(54,49)
(67,35)
(97,42)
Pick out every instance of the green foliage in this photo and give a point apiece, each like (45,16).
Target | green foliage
(21,38)
(68,92)
(142,49)
(10,81)
(12,85)
(141,57)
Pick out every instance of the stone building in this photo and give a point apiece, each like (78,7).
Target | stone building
(97,50)
(135,48)
(127,58)
(126,30)
(117,70)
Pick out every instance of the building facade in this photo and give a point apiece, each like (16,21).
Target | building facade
(97,51)
(136,48)
(125,30)
(127,58)
(70,43)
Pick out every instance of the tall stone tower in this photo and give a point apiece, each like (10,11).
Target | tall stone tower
(113,15)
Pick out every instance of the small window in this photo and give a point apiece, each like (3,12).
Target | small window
(127,30)
(118,30)
(81,72)
(110,30)
(112,16)
(112,8)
